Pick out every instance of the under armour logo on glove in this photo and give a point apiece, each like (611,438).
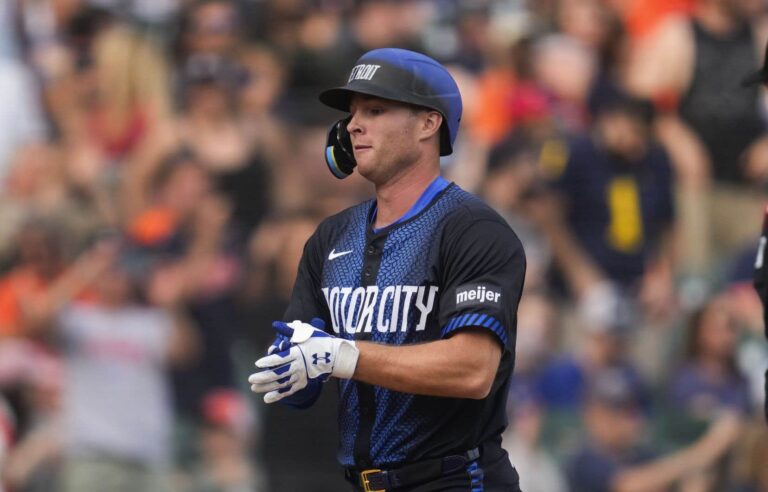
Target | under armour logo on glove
(326,358)
(288,371)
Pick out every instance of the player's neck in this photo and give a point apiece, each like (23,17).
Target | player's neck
(396,197)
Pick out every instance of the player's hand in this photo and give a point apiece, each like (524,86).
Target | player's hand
(314,355)
(282,343)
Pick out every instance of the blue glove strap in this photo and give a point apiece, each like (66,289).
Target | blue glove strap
(304,398)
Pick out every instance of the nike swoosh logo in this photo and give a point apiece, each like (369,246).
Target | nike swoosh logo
(333,255)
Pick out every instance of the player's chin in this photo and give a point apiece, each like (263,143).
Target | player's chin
(367,168)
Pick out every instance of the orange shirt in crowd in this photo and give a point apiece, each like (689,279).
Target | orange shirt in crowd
(641,17)
(22,283)
(491,120)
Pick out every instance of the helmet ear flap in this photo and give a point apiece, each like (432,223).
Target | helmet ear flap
(338,150)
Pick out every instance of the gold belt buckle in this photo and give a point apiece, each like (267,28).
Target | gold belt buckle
(367,483)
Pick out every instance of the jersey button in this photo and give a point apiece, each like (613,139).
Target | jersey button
(367,273)
(371,250)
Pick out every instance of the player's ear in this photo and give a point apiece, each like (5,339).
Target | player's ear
(430,123)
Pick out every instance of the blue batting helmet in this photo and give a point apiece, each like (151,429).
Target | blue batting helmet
(405,76)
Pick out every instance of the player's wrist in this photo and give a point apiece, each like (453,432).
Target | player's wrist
(346,359)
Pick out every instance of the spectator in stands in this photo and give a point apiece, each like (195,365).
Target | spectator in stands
(713,129)
(615,457)
(618,209)
(706,383)
(212,128)
(122,96)
(117,352)
(178,215)
(117,104)
(707,380)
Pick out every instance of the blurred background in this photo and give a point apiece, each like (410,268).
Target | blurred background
(161,166)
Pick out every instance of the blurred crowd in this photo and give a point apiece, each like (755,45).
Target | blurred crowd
(161,166)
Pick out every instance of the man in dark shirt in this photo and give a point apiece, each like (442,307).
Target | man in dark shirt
(616,187)
(412,295)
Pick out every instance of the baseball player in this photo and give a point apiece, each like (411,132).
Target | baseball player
(408,300)
(761,285)
(761,270)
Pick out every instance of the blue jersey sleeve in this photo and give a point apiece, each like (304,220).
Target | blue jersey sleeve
(306,298)
(484,269)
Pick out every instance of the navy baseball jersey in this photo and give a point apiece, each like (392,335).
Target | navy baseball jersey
(450,264)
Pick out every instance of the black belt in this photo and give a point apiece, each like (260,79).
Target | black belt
(375,480)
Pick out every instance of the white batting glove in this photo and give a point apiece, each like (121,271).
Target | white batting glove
(313,355)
